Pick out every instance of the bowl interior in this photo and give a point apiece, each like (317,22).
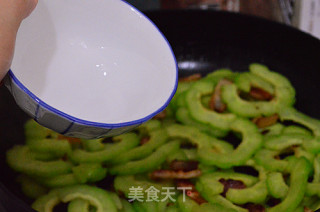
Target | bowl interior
(204,41)
(99,61)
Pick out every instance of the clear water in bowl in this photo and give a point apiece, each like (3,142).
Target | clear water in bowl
(94,64)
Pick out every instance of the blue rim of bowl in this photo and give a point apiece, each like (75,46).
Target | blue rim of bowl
(105,125)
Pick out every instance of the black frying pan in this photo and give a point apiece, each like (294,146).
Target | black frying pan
(202,41)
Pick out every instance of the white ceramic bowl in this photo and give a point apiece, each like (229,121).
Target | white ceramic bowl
(91,68)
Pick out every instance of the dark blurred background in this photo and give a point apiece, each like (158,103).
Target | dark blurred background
(303,14)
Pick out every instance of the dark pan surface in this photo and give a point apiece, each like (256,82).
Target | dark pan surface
(202,41)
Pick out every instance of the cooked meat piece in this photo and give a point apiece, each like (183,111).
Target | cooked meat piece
(161,115)
(307,209)
(263,122)
(191,78)
(235,184)
(171,174)
(144,140)
(177,165)
(193,193)
(216,102)
(70,139)
(260,94)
